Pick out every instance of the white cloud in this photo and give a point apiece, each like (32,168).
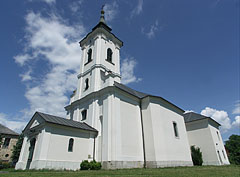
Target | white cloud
(188,111)
(219,116)
(236,110)
(111,11)
(127,71)
(75,6)
(236,122)
(151,32)
(21,59)
(14,125)
(53,41)
(138,9)
(50,1)
(26,76)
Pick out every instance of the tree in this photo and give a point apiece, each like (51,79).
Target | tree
(17,149)
(196,156)
(233,147)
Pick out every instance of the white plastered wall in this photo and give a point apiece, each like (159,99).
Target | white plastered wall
(162,147)
(121,136)
(130,128)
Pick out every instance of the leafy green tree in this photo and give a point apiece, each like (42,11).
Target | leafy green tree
(17,149)
(196,156)
(233,147)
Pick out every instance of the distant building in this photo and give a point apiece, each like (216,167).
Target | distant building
(110,122)
(204,133)
(9,139)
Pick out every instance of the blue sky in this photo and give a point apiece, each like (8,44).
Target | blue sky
(184,51)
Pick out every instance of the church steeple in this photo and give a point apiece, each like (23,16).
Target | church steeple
(100,63)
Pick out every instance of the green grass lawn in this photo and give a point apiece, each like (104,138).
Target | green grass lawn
(206,171)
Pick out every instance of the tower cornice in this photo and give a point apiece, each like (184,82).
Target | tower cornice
(100,30)
(113,74)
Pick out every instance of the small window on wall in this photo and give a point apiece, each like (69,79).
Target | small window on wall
(70,145)
(89,56)
(86,84)
(84,114)
(219,157)
(6,142)
(175,129)
(223,154)
(218,136)
(109,55)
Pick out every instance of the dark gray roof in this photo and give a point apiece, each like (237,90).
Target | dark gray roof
(192,116)
(7,131)
(100,25)
(66,122)
(140,95)
(130,91)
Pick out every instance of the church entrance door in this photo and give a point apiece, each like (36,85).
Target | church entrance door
(31,150)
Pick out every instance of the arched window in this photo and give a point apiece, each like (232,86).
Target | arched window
(86,84)
(89,55)
(70,145)
(175,129)
(84,114)
(109,55)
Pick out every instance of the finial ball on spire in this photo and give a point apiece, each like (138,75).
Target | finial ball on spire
(102,10)
(102,15)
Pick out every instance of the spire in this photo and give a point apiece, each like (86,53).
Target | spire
(102,19)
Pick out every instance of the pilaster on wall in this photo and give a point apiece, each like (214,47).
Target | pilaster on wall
(43,145)
(23,154)
(107,129)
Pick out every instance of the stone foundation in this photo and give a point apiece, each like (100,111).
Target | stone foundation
(46,164)
(161,164)
(68,165)
(122,164)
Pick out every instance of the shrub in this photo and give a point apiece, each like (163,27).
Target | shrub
(93,165)
(4,165)
(196,156)
(85,165)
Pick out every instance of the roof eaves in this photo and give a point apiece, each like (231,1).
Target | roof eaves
(92,129)
(51,121)
(94,30)
(164,100)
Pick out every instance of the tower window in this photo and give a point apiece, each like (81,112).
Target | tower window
(70,145)
(218,136)
(84,114)
(86,84)
(175,129)
(89,56)
(109,55)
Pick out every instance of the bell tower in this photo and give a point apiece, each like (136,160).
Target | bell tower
(100,63)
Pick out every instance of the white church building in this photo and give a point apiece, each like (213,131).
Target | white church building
(114,124)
